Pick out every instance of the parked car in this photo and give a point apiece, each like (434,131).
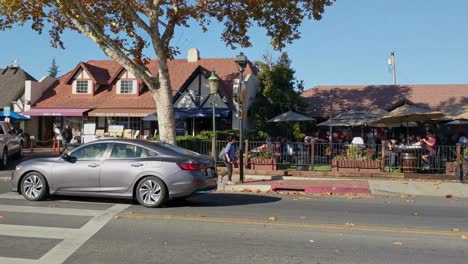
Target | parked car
(148,171)
(10,143)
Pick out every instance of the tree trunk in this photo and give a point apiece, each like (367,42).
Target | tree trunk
(163,98)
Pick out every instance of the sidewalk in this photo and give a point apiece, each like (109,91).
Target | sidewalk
(342,186)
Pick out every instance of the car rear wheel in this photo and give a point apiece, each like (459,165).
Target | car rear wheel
(34,186)
(151,192)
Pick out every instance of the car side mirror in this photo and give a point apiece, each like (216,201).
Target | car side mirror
(65,156)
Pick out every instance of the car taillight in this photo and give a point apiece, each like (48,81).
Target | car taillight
(190,166)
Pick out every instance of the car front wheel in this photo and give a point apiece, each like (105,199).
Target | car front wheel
(34,186)
(151,192)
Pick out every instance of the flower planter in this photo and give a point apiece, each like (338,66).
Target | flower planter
(370,166)
(263,164)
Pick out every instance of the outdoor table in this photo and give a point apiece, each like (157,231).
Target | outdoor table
(409,158)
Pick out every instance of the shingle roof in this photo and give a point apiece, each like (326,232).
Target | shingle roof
(12,84)
(447,98)
(105,71)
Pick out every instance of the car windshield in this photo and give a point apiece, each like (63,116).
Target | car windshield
(177,150)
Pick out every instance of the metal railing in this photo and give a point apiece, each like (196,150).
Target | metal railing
(310,156)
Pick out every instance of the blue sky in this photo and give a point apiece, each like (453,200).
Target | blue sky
(349,46)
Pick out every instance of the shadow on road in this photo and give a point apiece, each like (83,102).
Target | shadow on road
(223,199)
(207,200)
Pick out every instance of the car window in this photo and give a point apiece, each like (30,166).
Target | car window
(178,150)
(90,152)
(151,153)
(126,151)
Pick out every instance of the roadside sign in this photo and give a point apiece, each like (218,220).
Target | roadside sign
(6,111)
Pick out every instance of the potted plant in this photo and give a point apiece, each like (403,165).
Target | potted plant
(265,160)
(356,159)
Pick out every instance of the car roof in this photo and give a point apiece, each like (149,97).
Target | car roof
(142,142)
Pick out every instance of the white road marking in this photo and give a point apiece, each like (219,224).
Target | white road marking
(68,246)
(12,195)
(16,261)
(37,231)
(49,210)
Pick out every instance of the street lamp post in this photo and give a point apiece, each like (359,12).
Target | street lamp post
(331,124)
(213,82)
(242,61)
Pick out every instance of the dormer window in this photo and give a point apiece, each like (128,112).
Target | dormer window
(126,86)
(82,87)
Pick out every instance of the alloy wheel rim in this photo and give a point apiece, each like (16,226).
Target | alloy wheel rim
(150,192)
(32,186)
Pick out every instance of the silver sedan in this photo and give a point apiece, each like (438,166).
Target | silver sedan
(150,172)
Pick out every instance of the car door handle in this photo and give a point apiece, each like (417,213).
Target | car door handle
(136,164)
(93,165)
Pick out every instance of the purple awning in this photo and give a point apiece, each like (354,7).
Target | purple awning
(55,112)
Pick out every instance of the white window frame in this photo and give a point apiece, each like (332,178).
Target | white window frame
(76,86)
(119,86)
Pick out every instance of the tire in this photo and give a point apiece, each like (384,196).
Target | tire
(4,161)
(34,186)
(20,152)
(151,192)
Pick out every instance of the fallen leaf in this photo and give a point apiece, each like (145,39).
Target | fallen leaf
(464,237)
(311,241)
(415,214)
(349,224)
(404,196)
(272,218)
(201,215)
(455,230)
(258,191)
(397,243)
(295,199)
(116,217)
(448,196)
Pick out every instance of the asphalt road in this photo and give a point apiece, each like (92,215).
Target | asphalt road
(234,228)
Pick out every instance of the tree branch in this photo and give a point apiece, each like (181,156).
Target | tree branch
(132,9)
(105,43)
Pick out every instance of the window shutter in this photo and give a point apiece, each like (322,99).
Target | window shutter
(134,86)
(118,86)
(90,86)
(74,87)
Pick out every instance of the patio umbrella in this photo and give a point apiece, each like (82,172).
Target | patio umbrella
(408,113)
(290,116)
(14,116)
(355,118)
(457,122)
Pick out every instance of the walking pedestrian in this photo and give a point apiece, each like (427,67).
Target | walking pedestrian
(67,135)
(230,158)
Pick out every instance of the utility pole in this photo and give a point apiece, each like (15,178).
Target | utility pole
(331,123)
(391,61)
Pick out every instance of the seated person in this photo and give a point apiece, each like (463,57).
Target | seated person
(430,142)
(463,140)
(390,151)
(268,146)
(357,141)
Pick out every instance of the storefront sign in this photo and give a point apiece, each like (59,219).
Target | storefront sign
(116,129)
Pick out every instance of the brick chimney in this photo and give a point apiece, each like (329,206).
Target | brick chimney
(193,55)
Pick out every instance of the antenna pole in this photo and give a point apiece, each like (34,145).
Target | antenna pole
(393,67)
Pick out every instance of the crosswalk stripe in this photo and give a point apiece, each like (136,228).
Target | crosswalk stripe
(17,260)
(49,210)
(11,195)
(37,231)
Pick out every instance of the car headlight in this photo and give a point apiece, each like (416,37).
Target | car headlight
(18,168)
